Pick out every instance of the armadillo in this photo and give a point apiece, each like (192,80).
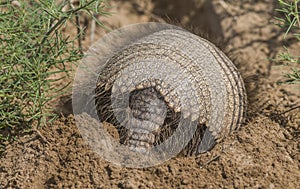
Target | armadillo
(164,78)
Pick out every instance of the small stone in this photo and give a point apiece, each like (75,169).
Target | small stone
(128,184)
(184,182)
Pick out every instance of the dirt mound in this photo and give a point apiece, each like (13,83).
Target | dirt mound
(265,153)
(261,154)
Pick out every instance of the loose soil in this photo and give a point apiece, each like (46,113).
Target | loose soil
(264,153)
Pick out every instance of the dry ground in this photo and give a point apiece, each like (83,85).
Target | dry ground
(263,154)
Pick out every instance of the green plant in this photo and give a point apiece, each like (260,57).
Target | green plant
(33,51)
(289,21)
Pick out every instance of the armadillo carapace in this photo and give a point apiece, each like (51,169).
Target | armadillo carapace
(165,77)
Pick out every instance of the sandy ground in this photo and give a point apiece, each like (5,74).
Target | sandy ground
(264,153)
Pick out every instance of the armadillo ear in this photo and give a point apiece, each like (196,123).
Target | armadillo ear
(208,142)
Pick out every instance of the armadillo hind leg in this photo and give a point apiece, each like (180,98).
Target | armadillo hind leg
(208,142)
